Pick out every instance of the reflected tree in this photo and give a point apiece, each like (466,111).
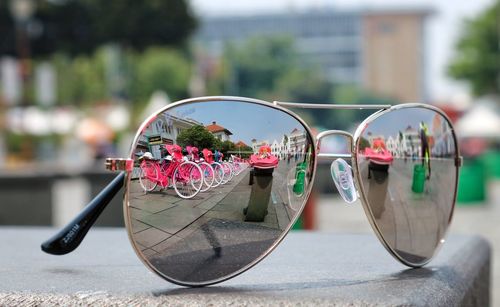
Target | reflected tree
(197,136)
(227,146)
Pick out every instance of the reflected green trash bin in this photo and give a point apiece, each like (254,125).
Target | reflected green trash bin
(299,224)
(300,175)
(472,182)
(418,182)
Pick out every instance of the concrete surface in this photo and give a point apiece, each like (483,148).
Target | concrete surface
(37,198)
(334,215)
(308,268)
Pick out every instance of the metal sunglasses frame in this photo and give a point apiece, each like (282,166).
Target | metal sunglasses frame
(70,236)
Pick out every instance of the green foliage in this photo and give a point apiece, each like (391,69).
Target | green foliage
(243,151)
(269,68)
(217,79)
(478,53)
(22,144)
(81,80)
(140,24)
(227,146)
(197,136)
(85,80)
(162,69)
(80,26)
(305,85)
(352,94)
(15,141)
(363,143)
(257,65)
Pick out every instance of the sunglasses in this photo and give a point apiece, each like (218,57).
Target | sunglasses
(213,184)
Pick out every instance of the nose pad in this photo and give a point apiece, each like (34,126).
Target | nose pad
(342,177)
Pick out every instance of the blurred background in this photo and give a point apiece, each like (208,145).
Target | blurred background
(77,77)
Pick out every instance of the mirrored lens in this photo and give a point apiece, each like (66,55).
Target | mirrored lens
(215,186)
(406,163)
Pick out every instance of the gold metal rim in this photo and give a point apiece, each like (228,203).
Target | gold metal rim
(273,246)
(364,200)
(315,142)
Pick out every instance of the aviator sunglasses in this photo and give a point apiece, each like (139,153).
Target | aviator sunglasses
(200,210)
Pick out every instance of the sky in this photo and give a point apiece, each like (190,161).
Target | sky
(246,121)
(442,29)
(392,123)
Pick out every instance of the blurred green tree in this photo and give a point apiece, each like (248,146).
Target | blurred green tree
(140,24)
(353,94)
(81,81)
(270,68)
(156,69)
(306,85)
(478,53)
(80,26)
(256,66)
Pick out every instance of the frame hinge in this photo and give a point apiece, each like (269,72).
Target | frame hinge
(459,161)
(119,164)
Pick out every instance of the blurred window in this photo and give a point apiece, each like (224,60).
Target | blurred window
(386,27)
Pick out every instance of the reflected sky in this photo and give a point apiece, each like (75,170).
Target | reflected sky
(270,124)
(392,123)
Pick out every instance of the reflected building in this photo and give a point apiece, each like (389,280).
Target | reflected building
(393,145)
(257,144)
(405,143)
(219,132)
(411,144)
(443,140)
(280,149)
(162,131)
(291,144)
(297,141)
(408,143)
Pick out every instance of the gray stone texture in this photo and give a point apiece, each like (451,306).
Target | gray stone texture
(308,268)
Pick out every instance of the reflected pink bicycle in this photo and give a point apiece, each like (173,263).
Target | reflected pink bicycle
(185,176)
(206,169)
(217,167)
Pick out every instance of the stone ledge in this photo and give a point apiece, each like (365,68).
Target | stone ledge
(308,268)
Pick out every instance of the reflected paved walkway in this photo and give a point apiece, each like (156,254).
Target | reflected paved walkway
(407,219)
(161,218)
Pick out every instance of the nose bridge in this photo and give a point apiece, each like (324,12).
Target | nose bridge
(329,148)
(326,151)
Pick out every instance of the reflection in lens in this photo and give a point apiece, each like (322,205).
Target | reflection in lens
(215,185)
(406,161)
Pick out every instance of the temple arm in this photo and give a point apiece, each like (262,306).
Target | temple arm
(68,238)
